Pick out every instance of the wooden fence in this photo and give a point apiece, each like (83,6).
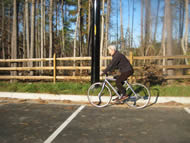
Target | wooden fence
(56,68)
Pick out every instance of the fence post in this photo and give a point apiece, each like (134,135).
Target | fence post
(131,57)
(131,61)
(54,68)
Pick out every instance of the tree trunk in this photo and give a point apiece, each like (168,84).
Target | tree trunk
(9,34)
(147,25)
(44,26)
(156,23)
(27,30)
(63,32)
(37,51)
(102,36)
(89,23)
(80,34)
(181,22)
(132,24)
(75,37)
(3,31)
(107,27)
(32,33)
(42,31)
(186,23)
(128,27)
(14,37)
(184,40)
(121,26)
(107,24)
(169,37)
(80,28)
(24,36)
(142,27)
(18,34)
(163,44)
(51,31)
(117,25)
(56,17)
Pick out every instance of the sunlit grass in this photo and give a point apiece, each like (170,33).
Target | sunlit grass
(171,90)
(81,88)
(58,88)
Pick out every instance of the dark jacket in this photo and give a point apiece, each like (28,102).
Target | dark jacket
(119,61)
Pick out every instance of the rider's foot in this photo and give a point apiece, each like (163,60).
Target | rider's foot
(123,97)
(116,99)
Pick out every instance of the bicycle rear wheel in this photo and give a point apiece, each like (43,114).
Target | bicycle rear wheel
(99,94)
(139,97)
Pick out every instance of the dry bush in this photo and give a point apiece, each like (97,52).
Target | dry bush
(151,75)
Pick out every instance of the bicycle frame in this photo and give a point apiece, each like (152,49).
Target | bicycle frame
(111,79)
(138,97)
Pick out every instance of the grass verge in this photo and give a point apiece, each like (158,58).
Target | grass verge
(81,88)
(58,88)
(171,90)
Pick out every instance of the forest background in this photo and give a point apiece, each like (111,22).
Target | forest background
(39,28)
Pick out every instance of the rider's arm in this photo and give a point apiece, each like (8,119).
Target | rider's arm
(112,65)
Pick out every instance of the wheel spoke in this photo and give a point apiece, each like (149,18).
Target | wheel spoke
(139,96)
(99,95)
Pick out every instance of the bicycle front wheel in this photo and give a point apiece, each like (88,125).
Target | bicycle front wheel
(99,94)
(139,96)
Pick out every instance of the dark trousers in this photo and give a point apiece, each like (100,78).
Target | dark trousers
(119,81)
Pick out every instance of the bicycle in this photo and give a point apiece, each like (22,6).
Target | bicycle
(100,95)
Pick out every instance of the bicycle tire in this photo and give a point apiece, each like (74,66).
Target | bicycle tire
(143,94)
(99,96)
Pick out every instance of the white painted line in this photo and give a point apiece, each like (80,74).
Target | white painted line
(187,110)
(53,136)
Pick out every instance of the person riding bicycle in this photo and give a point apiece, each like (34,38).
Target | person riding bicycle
(122,63)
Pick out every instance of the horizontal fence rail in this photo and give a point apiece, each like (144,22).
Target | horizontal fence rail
(55,68)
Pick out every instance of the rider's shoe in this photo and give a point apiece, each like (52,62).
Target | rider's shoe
(120,98)
(118,102)
(116,99)
(123,97)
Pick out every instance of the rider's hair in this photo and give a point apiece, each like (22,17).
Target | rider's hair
(112,47)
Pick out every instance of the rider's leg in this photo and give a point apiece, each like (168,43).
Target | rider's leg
(120,80)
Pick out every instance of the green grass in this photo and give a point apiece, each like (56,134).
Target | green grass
(58,88)
(81,88)
(171,90)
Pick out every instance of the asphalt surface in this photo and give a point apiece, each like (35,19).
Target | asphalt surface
(34,123)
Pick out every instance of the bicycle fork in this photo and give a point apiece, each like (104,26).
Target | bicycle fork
(99,94)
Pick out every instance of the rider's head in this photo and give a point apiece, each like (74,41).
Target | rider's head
(112,49)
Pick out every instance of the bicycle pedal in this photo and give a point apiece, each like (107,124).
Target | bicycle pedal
(118,102)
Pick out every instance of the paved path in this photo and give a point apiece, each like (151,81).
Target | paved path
(35,123)
(83,98)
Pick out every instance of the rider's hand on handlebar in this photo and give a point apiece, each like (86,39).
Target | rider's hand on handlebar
(102,73)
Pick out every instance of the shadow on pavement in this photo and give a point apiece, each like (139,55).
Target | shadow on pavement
(157,93)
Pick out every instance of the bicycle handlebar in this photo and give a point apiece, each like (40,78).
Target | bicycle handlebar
(111,79)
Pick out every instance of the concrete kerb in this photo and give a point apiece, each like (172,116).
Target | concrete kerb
(43,96)
(81,98)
